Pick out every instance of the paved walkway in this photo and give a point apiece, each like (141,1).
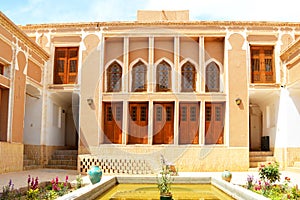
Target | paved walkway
(19,179)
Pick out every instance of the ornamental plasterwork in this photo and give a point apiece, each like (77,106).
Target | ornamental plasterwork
(15,31)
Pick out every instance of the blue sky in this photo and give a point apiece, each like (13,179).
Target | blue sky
(58,11)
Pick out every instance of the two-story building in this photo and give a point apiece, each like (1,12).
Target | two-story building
(204,94)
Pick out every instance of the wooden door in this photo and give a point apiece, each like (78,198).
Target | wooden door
(189,123)
(113,122)
(163,123)
(138,123)
(214,123)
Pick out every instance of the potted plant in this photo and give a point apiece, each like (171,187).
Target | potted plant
(164,181)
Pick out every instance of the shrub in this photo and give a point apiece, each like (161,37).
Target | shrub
(270,172)
(79,181)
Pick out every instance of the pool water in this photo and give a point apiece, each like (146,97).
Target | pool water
(151,192)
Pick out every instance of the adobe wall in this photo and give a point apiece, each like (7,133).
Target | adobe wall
(11,155)
(238,88)
(23,62)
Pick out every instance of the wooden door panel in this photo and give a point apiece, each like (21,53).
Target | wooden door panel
(138,123)
(189,123)
(214,123)
(163,123)
(113,122)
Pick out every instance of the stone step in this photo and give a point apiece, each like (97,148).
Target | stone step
(66,152)
(64,157)
(262,159)
(28,162)
(260,153)
(257,164)
(63,162)
(61,167)
(29,167)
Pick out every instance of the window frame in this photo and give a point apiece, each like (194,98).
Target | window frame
(262,73)
(169,76)
(183,72)
(66,75)
(109,74)
(134,85)
(208,77)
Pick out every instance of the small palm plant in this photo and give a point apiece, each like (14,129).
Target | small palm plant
(164,180)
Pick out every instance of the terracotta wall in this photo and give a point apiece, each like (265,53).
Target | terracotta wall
(113,49)
(89,126)
(138,49)
(164,48)
(238,88)
(19,100)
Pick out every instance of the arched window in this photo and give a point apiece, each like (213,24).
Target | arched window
(163,77)
(139,74)
(114,81)
(188,78)
(212,78)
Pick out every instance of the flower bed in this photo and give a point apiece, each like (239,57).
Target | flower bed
(36,191)
(269,185)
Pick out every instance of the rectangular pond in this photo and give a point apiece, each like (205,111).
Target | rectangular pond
(144,187)
(151,192)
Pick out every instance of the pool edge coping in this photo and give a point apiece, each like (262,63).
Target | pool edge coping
(91,192)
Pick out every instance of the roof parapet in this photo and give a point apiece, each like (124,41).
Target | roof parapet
(162,15)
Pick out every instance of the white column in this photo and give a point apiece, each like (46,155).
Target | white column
(201,64)
(101,88)
(150,122)
(202,123)
(176,123)
(151,69)
(176,78)
(124,122)
(125,76)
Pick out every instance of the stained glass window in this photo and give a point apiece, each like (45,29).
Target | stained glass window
(188,78)
(212,78)
(139,74)
(163,77)
(114,74)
